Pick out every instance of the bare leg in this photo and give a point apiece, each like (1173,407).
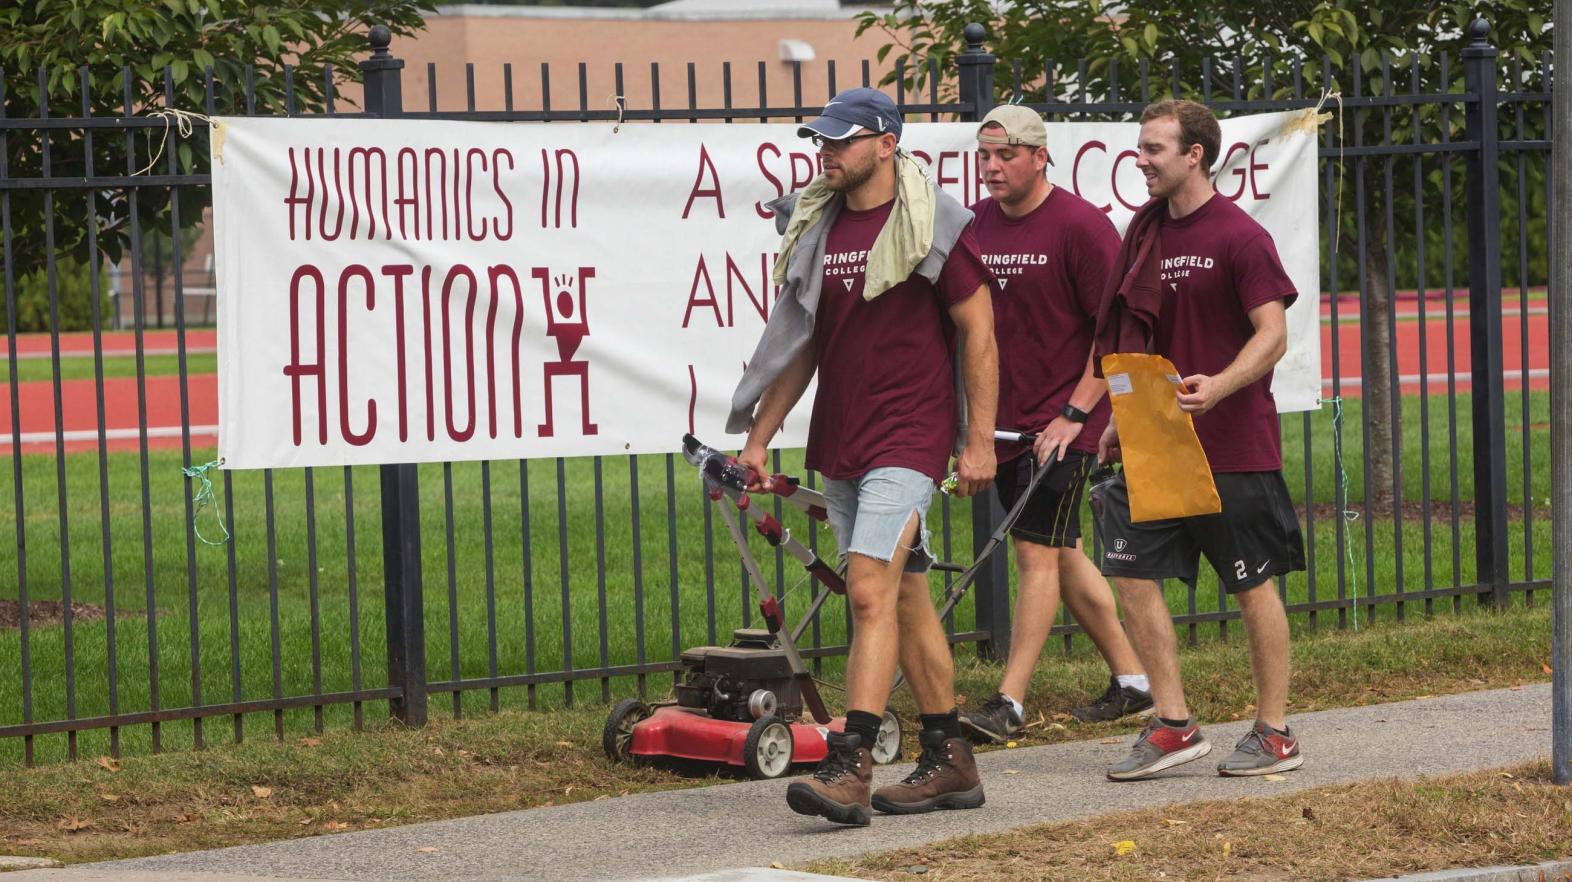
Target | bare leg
(925,651)
(1036,606)
(873,591)
(1152,633)
(1266,627)
(1091,602)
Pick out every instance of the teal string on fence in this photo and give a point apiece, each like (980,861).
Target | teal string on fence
(203,499)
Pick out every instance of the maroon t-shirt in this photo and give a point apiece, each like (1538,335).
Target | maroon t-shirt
(886,387)
(1218,264)
(1049,268)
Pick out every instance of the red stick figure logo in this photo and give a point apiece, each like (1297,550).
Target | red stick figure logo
(568,324)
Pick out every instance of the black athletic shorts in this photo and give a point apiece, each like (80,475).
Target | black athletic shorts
(1255,537)
(1052,515)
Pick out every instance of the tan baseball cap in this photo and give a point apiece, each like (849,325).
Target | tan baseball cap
(1022,126)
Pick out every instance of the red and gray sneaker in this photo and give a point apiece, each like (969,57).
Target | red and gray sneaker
(1262,752)
(1160,747)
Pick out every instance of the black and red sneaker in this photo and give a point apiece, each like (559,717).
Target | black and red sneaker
(1160,746)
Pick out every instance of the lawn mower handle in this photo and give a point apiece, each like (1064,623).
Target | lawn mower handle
(724,469)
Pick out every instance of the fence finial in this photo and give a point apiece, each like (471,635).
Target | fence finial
(974,33)
(380,38)
(1479,32)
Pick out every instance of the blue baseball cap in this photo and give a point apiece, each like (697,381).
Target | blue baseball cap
(853,109)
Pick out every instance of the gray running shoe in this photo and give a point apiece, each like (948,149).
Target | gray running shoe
(1160,747)
(1115,702)
(1262,752)
(995,721)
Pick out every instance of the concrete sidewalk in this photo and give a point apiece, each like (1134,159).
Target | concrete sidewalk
(690,832)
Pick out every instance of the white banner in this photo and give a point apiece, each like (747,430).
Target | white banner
(410,291)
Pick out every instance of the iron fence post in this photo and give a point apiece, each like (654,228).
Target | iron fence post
(1561,400)
(1484,315)
(991,591)
(402,586)
(975,72)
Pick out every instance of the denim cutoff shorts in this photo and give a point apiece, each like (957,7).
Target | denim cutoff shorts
(869,514)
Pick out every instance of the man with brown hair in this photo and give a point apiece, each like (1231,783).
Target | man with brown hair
(1204,283)
(882,281)
(1051,253)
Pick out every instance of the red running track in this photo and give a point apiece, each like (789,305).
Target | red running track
(114,343)
(1411,369)
(79,405)
(79,409)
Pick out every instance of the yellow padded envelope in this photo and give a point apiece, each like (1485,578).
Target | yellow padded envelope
(1164,465)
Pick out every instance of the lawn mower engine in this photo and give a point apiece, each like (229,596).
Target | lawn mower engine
(748,680)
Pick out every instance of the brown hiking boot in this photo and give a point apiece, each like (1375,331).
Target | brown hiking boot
(839,788)
(945,778)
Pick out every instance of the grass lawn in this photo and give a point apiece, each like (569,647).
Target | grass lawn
(342,780)
(216,623)
(80,367)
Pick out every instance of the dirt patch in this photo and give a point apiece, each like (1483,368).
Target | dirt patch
(51,612)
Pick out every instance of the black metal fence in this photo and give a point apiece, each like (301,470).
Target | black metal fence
(557,573)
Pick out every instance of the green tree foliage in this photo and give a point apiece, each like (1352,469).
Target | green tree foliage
(1116,40)
(124,58)
(73,294)
(1228,49)
(1396,47)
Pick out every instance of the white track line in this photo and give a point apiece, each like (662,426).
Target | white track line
(110,434)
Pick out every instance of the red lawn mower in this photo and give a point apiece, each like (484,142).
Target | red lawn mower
(741,705)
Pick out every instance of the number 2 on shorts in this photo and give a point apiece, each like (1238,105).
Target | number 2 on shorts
(1241,570)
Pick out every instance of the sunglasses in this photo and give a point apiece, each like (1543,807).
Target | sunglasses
(820,142)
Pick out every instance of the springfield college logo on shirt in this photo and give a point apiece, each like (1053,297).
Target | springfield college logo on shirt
(1007,266)
(1180,268)
(846,267)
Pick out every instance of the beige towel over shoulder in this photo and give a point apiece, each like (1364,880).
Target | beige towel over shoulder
(903,243)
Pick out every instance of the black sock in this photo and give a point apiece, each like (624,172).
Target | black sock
(864,725)
(949,723)
(1176,724)
(1283,731)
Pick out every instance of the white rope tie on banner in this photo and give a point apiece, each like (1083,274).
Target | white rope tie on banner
(182,120)
(616,101)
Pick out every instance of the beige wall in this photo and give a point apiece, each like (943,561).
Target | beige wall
(450,41)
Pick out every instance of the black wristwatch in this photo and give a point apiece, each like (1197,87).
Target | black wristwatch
(1074,414)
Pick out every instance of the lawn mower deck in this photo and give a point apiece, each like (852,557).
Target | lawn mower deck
(738,705)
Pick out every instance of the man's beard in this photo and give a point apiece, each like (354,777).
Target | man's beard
(852,178)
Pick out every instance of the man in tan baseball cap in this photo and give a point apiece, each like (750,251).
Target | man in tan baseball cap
(1013,125)
(1050,252)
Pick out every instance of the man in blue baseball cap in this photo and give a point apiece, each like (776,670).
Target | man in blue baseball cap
(852,109)
(882,291)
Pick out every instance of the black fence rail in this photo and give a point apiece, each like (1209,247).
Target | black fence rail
(529,581)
